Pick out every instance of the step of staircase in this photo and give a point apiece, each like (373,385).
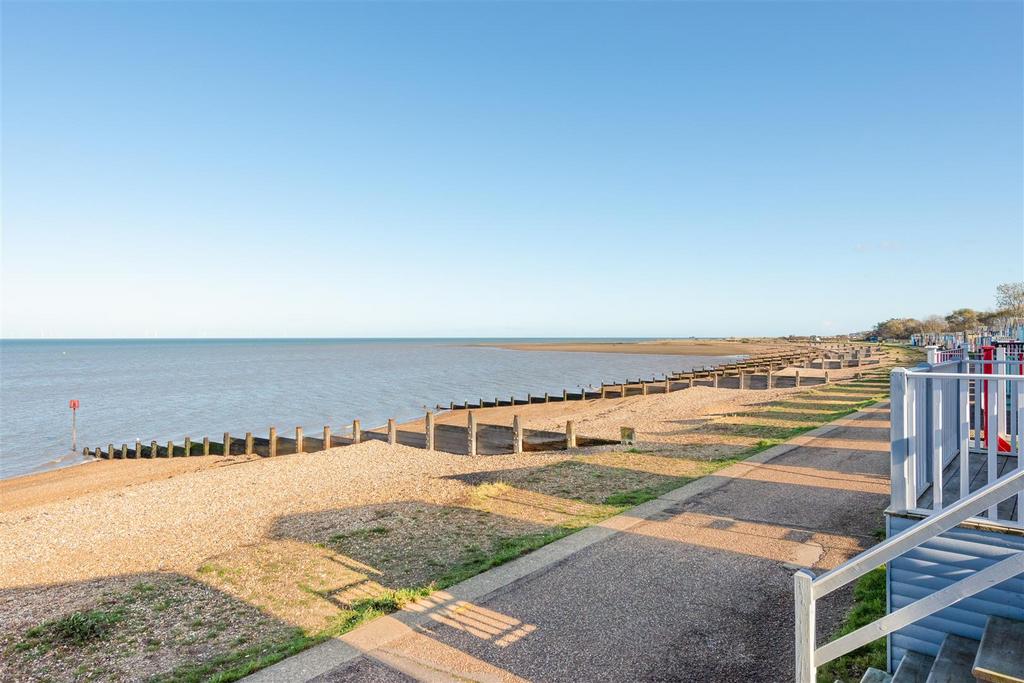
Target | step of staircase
(1001,654)
(913,669)
(954,661)
(997,658)
(876,676)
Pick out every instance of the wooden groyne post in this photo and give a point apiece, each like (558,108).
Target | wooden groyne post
(570,434)
(327,437)
(272,437)
(517,435)
(392,432)
(357,432)
(429,430)
(300,440)
(471,432)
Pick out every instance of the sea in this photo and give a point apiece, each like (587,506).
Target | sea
(168,389)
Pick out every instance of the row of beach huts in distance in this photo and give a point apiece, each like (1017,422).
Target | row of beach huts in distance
(487,439)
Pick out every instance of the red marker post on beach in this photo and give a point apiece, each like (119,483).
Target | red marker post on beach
(73,404)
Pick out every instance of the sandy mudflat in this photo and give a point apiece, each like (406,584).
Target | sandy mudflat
(669,347)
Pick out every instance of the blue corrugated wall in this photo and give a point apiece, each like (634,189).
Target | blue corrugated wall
(944,560)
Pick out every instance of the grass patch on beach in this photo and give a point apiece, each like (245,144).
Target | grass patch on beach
(78,628)
(868,605)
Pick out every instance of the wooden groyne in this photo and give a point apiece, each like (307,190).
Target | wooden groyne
(487,439)
(472,439)
(753,373)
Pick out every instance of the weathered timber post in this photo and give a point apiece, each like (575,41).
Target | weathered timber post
(546,397)
(188,446)
(511,400)
(570,434)
(248,443)
(206,445)
(565,394)
(110,450)
(138,448)
(124,451)
(805,628)
(769,380)
(154,450)
(797,379)
(300,440)
(227,444)
(826,377)
(357,432)
(471,433)
(272,438)
(622,391)
(668,384)
(327,437)
(170,449)
(740,373)
(392,432)
(643,388)
(517,435)
(429,430)
(604,391)
(714,380)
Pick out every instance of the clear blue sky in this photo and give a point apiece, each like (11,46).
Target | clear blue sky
(344,169)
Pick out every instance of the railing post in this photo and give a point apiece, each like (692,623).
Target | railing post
(932,354)
(899,440)
(803,600)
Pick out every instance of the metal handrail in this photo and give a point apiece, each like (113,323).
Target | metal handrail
(808,588)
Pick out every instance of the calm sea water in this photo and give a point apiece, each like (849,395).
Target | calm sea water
(170,389)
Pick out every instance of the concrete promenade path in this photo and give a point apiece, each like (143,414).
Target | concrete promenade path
(693,586)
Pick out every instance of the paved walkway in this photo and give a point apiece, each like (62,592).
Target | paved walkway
(694,586)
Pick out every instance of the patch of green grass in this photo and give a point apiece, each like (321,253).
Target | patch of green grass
(361,534)
(631,498)
(868,605)
(504,550)
(77,628)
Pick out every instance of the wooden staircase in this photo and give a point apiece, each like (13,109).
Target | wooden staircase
(997,658)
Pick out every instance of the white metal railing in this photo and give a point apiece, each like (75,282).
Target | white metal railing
(808,588)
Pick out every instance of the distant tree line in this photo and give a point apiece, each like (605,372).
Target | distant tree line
(1009,309)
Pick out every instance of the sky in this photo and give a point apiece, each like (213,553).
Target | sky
(190,169)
